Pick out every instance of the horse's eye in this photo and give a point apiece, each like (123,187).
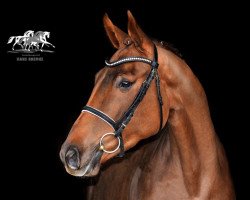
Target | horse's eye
(125,84)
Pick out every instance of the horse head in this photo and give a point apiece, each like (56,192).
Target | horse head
(114,91)
(126,106)
(46,34)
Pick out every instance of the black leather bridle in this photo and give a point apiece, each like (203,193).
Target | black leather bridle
(119,125)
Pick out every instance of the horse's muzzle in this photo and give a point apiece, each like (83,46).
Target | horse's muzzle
(71,158)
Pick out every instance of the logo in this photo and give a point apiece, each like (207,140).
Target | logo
(31,45)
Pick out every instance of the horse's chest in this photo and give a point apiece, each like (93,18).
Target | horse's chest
(133,184)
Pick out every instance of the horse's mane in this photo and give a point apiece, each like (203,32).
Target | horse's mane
(168,46)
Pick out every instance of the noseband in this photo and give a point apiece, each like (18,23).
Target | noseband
(119,125)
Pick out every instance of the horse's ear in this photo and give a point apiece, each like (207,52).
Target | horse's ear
(116,35)
(137,35)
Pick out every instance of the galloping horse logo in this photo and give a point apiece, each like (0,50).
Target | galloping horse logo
(30,41)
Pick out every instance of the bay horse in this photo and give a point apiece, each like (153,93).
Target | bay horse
(146,131)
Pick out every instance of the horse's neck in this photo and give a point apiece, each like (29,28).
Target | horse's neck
(193,140)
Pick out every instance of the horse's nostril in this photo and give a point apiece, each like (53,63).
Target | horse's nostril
(72,158)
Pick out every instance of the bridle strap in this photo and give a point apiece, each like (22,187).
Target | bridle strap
(125,119)
(122,123)
(158,87)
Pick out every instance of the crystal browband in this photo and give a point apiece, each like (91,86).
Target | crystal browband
(126,60)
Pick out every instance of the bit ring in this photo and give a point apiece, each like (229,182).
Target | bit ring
(102,146)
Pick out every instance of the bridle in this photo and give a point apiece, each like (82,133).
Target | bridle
(120,125)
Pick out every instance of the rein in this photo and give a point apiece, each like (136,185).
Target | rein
(120,124)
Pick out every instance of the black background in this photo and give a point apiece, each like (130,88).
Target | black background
(41,100)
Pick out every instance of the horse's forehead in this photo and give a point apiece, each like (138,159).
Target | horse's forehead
(127,51)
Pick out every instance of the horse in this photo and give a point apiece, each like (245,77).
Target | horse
(20,39)
(45,35)
(39,37)
(146,130)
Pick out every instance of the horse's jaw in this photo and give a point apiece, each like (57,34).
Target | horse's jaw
(89,168)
